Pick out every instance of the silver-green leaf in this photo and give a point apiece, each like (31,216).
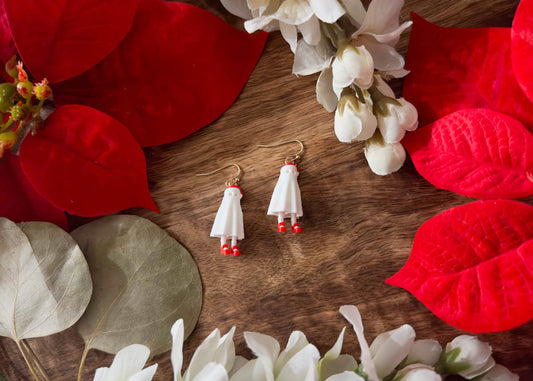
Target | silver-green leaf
(144,281)
(45,284)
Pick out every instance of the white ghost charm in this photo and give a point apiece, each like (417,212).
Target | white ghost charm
(228,222)
(286,200)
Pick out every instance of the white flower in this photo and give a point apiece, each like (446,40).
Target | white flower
(390,348)
(396,119)
(498,373)
(353,64)
(334,363)
(468,357)
(354,120)
(128,365)
(417,372)
(425,351)
(384,158)
(211,361)
(380,32)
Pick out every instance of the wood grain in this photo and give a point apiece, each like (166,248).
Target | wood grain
(358,227)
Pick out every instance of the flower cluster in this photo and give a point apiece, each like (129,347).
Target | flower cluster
(353,49)
(393,356)
(20,105)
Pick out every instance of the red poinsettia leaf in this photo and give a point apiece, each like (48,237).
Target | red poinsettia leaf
(459,68)
(179,69)
(20,201)
(522,46)
(472,266)
(7,47)
(59,39)
(476,153)
(86,163)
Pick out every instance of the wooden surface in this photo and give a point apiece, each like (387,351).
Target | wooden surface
(358,227)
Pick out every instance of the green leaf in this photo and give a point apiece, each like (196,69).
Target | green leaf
(2,378)
(45,283)
(144,281)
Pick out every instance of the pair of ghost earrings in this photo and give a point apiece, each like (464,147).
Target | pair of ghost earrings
(286,202)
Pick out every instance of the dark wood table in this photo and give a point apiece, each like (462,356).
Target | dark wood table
(358,227)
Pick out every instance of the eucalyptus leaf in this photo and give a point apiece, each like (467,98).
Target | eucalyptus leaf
(144,281)
(45,284)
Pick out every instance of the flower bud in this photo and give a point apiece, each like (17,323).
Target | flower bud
(354,120)
(498,373)
(397,119)
(390,348)
(18,112)
(11,67)
(353,64)
(417,372)
(42,91)
(7,90)
(468,357)
(7,140)
(25,89)
(384,158)
(22,75)
(425,351)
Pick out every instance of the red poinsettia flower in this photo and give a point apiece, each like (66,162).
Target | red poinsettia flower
(125,74)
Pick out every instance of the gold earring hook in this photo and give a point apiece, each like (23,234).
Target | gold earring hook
(233,180)
(289,158)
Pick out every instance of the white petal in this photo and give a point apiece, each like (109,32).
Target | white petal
(310,59)
(225,353)
(354,120)
(341,77)
(257,23)
(385,57)
(212,372)
(258,4)
(238,364)
(203,355)
(128,361)
(499,373)
(351,313)
(298,366)
(382,16)
(325,95)
(294,12)
(311,374)
(343,363)
(328,11)
(311,31)
(145,375)
(353,64)
(101,374)
(176,355)
(426,351)
(390,128)
(297,342)
(253,370)
(393,36)
(407,115)
(356,10)
(390,348)
(290,34)
(263,346)
(383,87)
(345,376)
(238,8)
(400,73)
(335,350)
(418,372)
(384,159)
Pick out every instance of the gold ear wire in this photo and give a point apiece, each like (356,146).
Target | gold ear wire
(289,158)
(233,180)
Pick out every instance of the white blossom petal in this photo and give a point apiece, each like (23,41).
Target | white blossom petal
(356,11)
(203,355)
(351,313)
(145,375)
(176,354)
(290,34)
(260,5)
(328,11)
(353,64)
(473,352)
(311,31)
(393,36)
(384,87)
(263,346)
(294,12)
(385,57)
(238,364)
(297,341)
(382,17)
(257,23)
(325,94)
(100,374)
(253,370)
(212,372)
(238,7)
(499,373)
(400,73)
(426,351)
(225,352)
(127,362)
(354,120)
(418,372)
(384,158)
(341,77)
(343,363)
(298,366)
(345,376)
(310,59)
(390,348)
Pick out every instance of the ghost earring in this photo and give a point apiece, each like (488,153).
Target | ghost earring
(228,225)
(286,201)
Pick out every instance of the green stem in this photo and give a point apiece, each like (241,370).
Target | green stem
(82,362)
